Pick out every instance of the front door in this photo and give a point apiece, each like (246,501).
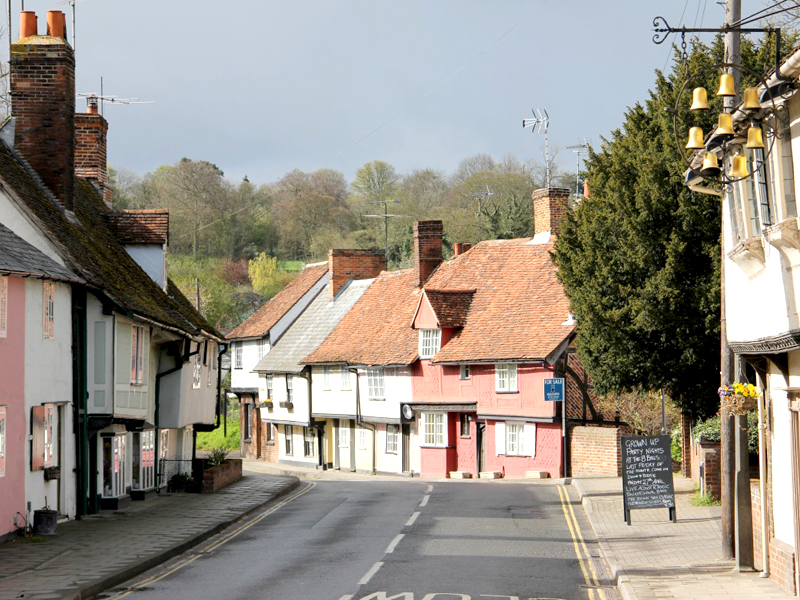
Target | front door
(406,447)
(480,434)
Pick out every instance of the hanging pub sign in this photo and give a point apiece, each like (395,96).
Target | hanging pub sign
(647,474)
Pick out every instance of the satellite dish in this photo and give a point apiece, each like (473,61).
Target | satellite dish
(408,412)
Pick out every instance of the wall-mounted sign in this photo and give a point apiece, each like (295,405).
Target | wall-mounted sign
(554,389)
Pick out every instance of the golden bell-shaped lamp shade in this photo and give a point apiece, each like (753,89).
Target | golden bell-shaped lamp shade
(726,85)
(751,99)
(754,138)
(738,168)
(710,166)
(699,99)
(724,124)
(695,139)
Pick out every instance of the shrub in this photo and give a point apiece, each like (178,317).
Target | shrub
(675,444)
(210,440)
(234,272)
(217,456)
(708,430)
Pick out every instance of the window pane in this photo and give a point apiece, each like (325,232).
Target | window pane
(787,168)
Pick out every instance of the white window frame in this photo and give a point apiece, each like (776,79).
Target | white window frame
(50,435)
(197,373)
(309,442)
(505,380)
(48,310)
(376,383)
(146,459)
(119,463)
(288,433)
(3,421)
(137,355)
(262,347)
(362,438)
(326,377)
(248,422)
(289,388)
(430,342)
(3,306)
(392,441)
(464,372)
(515,438)
(345,380)
(268,387)
(434,429)
(237,355)
(344,435)
(465,419)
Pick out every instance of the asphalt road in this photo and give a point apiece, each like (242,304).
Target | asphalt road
(393,540)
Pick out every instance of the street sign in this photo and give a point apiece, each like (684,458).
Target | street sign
(554,389)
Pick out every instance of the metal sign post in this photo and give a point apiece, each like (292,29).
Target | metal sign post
(554,391)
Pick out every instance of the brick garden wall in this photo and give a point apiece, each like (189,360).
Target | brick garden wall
(707,454)
(269,449)
(595,451)
(224,474)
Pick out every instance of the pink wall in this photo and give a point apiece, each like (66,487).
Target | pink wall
(549,450)
(12,396)
(438,462)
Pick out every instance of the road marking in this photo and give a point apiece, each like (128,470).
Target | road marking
(347,597)
(425,500)
(429,490)
(394,543)
(224,540)
(411,519)
(578,543)
(365,579)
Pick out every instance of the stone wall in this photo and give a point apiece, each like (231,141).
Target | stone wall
(595,451)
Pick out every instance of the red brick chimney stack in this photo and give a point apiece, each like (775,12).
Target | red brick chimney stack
(91,131)
(347,264)
(549,208)
(43,103)
(427,249)
(460,248)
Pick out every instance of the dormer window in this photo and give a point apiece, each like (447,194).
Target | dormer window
(430,341)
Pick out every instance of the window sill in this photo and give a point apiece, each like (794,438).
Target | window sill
(270,443)
(377,399)
(749,255)
(506,391)
(465,437)
(247,441)
(785,236)
(437,447)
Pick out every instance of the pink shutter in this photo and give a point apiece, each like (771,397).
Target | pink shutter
(37,443)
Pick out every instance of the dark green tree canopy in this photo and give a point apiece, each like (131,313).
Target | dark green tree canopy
(640,259)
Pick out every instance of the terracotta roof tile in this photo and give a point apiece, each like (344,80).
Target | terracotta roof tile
(519,309)
(260,322)
(376,331)
(140,226)
(450,306)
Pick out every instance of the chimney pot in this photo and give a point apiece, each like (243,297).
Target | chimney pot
(56,24)
(27,24)
(585,188)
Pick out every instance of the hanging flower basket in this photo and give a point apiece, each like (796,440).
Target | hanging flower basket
(738,398)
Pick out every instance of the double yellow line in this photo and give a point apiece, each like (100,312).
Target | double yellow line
(224,539)
(581,551)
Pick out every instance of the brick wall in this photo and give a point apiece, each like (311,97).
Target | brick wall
(686,446)
(250,449)
(708,455)
(269,449)
(781,564)
(347,264)
(427,249)
(90,150)
(549,208)
(595,451)
(43,105)
(224,474)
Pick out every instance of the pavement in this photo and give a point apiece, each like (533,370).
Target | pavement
(100,551)
(654,558)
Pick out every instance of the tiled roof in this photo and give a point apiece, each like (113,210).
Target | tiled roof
(140,226)
(519,309)
(260,322)
(18,257)
(376,331)
(450,306)
(89,247)
(311,329)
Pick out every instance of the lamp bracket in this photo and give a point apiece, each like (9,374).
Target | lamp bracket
(663,30)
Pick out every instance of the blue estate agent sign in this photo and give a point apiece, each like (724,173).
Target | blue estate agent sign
(554,389)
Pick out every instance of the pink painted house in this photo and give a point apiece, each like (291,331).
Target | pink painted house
(493,324)
(22,268)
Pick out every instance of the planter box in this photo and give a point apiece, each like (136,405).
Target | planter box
(52,473)
(45,522)
(217,477)
(286,404)
(537,475)
(460,475)
(490,475)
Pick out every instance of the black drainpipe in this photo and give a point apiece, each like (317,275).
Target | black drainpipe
(80,417)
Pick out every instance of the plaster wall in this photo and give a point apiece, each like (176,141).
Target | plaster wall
(244,377)
(18,222)
(299,414)
(48,380)
(782,452)
(181,403)
(99,357)
(336,399)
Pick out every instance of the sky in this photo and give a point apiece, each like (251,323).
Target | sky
(261,87)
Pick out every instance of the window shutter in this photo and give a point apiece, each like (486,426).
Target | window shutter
(144,354)
(529,449)
(134,337)
(37,443)
(500,438)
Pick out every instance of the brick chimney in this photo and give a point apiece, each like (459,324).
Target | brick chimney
(427,249)
(347,264)
(549,208)
(90,147)
(43,102)
(460,248)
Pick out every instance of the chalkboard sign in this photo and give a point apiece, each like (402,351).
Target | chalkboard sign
(647,474)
